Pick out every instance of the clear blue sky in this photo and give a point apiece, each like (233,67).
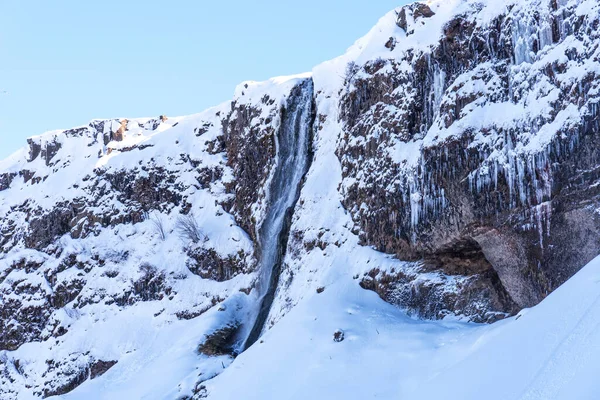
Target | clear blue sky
(65,62)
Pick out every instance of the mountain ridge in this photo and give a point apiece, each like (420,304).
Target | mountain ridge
(454,172)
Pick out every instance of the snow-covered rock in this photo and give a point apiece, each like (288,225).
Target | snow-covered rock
(454,171)
(471,142)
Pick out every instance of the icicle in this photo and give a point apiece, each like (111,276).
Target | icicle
(521,38)
(439,80)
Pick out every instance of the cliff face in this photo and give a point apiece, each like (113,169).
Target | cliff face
(465,136)
(479,152)
(454,171)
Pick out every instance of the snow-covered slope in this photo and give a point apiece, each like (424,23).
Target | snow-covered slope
(125,286)
(453,179)
(548,352)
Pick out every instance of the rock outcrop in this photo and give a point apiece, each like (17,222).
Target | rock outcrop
(479,153)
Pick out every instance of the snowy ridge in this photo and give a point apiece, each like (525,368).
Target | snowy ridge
(278,88)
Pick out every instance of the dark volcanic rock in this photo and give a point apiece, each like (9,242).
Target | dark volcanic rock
(69,374)
(99,368)
(220,342)
(208,264)
(6,179)
(411,14)
(45,227)
(250,152)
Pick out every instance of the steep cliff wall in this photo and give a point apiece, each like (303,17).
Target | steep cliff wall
(465,137)
(468,138)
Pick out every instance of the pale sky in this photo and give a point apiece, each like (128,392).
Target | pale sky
(65,62)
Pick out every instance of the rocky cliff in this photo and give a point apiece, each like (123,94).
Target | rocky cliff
(454,170)
(477,153)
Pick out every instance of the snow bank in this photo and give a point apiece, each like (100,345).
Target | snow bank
(548,352)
